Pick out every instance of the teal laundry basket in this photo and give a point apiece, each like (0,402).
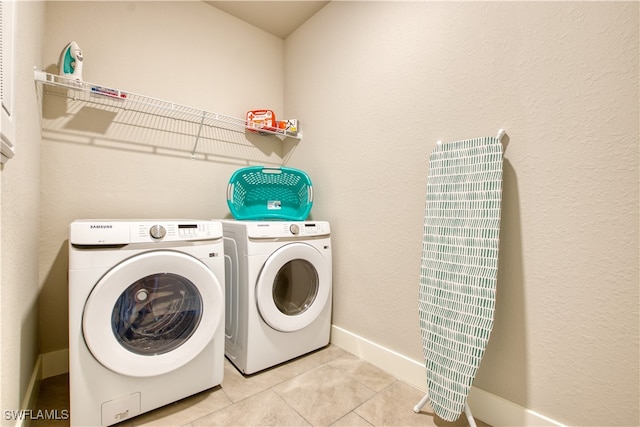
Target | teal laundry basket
(270,193)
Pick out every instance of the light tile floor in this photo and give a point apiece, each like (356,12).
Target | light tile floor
(329,387)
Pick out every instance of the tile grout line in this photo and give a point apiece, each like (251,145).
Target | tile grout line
(272,388)
(248,378)
(324,364)
(376,393)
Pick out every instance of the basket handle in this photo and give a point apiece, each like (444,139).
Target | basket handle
(230,191)
(261,112)
(310,190)
(274,169)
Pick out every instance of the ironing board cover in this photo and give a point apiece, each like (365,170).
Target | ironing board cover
(459,266)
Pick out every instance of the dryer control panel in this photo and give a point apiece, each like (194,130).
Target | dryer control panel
(276,229)
(122,232)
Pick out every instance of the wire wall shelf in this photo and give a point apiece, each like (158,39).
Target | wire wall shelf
(118,100)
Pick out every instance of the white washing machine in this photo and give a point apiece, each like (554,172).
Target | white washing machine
(146,315)
(278,291)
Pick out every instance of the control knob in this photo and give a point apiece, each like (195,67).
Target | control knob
(294,228)
(157,232)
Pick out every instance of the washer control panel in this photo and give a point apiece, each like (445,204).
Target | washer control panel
(122,232)
(174,231)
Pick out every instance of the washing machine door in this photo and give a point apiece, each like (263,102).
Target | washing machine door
(152,313)
(293,287)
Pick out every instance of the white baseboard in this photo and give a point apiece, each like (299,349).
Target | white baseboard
(485,406)
(401,367)
(55,363)
(47,365)
(31,394)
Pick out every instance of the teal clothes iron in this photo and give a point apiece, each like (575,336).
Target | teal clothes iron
(70,64)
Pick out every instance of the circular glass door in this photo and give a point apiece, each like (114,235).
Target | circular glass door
(156,314)
(152,313)
(293,287)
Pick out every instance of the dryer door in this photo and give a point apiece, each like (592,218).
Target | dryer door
(293,287)
(152,313)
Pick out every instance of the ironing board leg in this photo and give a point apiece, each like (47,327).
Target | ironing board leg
(420,404)
(467,412)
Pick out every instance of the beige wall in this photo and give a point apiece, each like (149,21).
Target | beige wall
(98,166)
(19,213)
(376,84)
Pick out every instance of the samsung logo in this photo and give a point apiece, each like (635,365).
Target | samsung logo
(101,226)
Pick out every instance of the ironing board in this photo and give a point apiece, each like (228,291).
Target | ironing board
(459,268)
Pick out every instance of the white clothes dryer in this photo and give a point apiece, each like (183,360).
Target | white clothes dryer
(146,315)
(278,287)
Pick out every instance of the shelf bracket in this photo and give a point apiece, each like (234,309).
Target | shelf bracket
(193,152)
